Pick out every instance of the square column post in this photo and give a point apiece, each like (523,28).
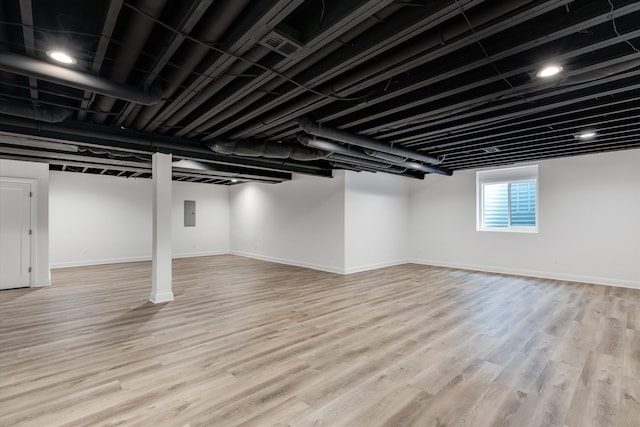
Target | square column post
(162,249)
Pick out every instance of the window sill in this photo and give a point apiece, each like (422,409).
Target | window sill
(531,230)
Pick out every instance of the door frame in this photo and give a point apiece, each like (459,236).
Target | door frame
(33,206)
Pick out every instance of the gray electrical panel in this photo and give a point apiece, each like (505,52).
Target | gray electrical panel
(189,213)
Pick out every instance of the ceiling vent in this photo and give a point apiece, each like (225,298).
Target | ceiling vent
(281,43)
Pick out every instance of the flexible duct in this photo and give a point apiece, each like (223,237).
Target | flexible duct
(42,113)
(362,141)
(273,150)
(38,69)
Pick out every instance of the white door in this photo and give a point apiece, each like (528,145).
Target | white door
(15,234)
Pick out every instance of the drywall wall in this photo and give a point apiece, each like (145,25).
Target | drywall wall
(210,236)
(376,220)
(588,223)
(97,219)
(38,175)
(300,222)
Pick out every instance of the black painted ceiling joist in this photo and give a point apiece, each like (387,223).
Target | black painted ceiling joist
(455,79)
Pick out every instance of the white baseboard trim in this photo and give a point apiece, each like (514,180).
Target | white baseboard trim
(161,297)
(321,267)
(197,254)
(40,284)
(84,263)
(368,267)
(532,273)
(358,269)
(292,262)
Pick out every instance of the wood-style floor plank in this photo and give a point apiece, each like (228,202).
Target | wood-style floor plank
(251,343)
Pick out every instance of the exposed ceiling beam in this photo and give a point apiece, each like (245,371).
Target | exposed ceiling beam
(105,38)
(133,41)
(565,97)
(33,67)
(192,16)
(357,12)
(255,25)
(386,103)
(519,130)
(401,61)
(26,14)
(400,27)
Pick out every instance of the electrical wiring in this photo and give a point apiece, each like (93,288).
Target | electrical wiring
(615,28)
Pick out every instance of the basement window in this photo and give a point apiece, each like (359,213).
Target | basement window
(507,199)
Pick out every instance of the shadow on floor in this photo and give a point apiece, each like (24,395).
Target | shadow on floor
(7,295)
(136,317)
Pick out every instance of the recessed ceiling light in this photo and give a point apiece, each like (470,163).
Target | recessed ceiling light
(588,134)
(61,56)
(549,70)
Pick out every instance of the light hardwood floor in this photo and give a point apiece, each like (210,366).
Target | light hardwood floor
(252,343)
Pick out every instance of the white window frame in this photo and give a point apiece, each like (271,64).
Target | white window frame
(506,176)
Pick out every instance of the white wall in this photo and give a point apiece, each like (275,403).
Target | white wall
(376,220)
(39,173)
(588,230)
(589,223)
(210,236)
(97,219)
(300,222)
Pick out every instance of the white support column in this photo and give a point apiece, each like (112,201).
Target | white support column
(162,250)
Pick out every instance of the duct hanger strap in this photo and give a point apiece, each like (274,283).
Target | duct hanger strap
(32,67)
(362,141)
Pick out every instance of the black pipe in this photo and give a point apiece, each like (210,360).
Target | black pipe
(36,68)
(362,141)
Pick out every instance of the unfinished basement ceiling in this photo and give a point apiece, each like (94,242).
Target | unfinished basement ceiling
(256,90)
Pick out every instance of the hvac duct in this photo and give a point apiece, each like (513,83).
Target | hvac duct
(359,168)
(268,149)
(359,162)
(36,68)
(391,160)
(386,156)
(362,141)
(41,113)
(140,142)
(334,149)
